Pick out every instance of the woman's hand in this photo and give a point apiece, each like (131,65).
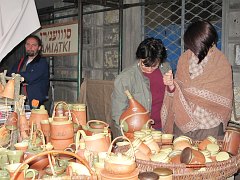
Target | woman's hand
(168,80)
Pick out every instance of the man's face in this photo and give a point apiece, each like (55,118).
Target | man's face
(32,47)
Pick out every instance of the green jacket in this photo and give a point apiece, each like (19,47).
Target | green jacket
(132,79)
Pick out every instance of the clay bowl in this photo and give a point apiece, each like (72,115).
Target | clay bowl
(38,163)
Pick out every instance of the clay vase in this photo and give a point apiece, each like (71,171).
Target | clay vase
(23,124)
(8,91)
(37,115)
(134,117)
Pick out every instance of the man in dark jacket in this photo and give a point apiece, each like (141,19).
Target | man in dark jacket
(35,71)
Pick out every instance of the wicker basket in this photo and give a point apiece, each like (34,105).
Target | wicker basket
(214,170)
(82,177)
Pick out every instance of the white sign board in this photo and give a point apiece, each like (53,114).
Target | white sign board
(61,39)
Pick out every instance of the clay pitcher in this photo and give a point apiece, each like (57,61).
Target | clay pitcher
(9,89)
(135,116)
(37,115)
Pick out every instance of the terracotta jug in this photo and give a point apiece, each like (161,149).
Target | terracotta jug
(96,143)
(8,91)
(135,116)
(37,115)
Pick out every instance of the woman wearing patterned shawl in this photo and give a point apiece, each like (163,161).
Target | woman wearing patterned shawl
(198,101)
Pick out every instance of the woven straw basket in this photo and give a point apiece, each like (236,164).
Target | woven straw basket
(211,171)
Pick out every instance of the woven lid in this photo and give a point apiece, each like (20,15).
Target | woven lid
(213,147)
(222,156)
(148,176)
(163,171)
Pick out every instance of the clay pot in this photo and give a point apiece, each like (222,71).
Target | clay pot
(96,126)
(61,130)
(37,115)
(148,140)
(40,162)
(61,144)
(182,142)
(164,173)
(135,117)
(79,114)
(120,164)
(100,140)
(167,138)
(148,176)
(209,140)
(60,118)
(231,140)
(141,155)
(105,175)
(139,145)
(191,156)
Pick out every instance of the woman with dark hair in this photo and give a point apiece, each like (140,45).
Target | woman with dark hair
(144,80)
(201,100)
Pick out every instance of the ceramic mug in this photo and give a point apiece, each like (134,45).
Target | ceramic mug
(22,146)
(22,172)
(15,156)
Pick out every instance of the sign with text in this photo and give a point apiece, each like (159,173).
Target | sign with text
(58,40)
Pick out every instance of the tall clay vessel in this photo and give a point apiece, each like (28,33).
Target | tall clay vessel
(135,117)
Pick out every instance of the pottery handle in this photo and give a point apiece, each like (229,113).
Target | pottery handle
(79,133)
(54,109)
(75,118)
(122,137)
(42,138)
(97,121)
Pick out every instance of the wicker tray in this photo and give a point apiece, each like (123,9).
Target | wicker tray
(214,170)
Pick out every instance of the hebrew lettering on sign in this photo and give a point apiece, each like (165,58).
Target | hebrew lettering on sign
(59,39)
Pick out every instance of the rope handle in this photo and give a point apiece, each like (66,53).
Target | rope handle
(54,109)
(132,155)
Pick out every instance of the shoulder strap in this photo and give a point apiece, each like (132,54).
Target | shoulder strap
(20,64)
